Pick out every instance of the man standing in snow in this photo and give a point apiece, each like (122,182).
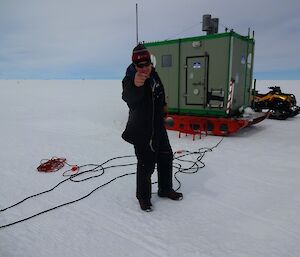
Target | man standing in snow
(144,94)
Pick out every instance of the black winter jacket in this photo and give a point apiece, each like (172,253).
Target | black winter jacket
(146,109)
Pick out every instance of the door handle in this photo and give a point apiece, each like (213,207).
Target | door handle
(197,83)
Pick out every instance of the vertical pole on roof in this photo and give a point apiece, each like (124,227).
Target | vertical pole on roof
(137,23)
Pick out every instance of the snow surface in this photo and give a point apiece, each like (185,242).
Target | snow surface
(244,203)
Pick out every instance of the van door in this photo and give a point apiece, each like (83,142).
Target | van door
(196,80)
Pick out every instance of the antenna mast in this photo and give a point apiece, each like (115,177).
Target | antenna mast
(137,24)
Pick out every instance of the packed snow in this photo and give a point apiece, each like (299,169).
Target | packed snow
(245,202)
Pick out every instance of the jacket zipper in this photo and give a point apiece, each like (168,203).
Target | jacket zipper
(153,108)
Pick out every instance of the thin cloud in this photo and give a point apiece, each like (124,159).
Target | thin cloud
(44,37)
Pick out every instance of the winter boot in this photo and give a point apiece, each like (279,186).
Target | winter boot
(173,195)
(145,205)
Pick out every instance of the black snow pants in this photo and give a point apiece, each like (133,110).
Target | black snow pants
(146,160)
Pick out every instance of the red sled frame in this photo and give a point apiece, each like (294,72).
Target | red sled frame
(195,125)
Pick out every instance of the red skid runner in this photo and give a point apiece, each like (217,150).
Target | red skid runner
(196,125)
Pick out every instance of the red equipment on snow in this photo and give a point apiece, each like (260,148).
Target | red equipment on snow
(54,164)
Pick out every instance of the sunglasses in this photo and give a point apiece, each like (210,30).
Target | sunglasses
(142,65)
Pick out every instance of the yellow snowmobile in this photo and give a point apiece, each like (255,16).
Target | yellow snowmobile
(280,105)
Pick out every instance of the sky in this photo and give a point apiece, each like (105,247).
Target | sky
(92,39)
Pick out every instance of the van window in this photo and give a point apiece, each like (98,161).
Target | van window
(166,60)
